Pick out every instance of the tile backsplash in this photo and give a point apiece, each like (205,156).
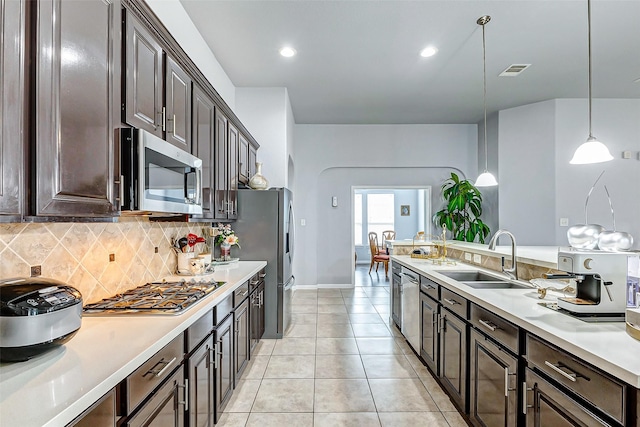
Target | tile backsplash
(79,253)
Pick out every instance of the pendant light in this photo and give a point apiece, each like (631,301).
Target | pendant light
(486,179)
(592,151)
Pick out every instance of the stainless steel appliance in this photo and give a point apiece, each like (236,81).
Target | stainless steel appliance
(36,315)
(410,291)
(154,298)
(601,282)
(266,228)
(157,176)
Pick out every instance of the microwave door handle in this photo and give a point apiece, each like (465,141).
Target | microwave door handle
(198,186)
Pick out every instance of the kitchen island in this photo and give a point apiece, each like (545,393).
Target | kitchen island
(54,388)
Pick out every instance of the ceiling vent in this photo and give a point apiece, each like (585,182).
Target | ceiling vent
(514,70)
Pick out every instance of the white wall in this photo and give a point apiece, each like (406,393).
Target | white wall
(538,186)
(181,27)
(331,159)
(267,115)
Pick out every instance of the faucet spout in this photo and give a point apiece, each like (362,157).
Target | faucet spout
(513,271)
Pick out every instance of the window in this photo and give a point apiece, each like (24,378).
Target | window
(380,213)
(357,219)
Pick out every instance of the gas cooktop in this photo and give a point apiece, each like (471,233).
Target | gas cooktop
(154,298)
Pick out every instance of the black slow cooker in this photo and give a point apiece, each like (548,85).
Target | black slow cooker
(36,315)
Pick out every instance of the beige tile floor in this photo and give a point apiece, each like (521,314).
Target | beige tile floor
(340,364)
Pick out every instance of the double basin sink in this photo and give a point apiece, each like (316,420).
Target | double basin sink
(482,280)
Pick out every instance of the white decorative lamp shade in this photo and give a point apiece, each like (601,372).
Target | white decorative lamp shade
(486,179)
(592,151)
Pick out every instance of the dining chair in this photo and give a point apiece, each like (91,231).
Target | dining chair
(387,235)
(376,256)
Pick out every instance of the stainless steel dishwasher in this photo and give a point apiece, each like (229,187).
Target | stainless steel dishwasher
(410,294)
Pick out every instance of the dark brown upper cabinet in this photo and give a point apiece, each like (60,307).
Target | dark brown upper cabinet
(12,104)
(76,55)
(178,105)
(157,99)
(203,122)
(253,157)
(243,160)
(232,177)
(221,166)
(143,78)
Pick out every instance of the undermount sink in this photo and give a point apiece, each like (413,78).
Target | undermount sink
(471,276)
(482,280)
(495,285)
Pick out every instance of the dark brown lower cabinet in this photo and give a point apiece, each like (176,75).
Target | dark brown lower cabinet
(453,358)
(200,369)
(493,384)
(166,407)
(547,406)
(241,339)
(100,414)
(223,365)
(257,315)
(429,332)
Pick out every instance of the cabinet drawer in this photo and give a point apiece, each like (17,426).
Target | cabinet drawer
(240,294)
(223,309)
(454,302)
(429,287)
(154,371)
(495,327)
(602,391)
(199,331)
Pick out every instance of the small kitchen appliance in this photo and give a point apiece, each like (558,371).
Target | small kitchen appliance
(601,282)
(36,315)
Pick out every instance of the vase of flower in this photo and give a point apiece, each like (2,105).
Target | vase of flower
(226,238)
(225,252)
(258,181)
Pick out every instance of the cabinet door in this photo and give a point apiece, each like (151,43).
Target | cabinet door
(257,315)
(178,105)
(232,193)
(493,384)
(12,99)
(74,121)
(100,414)
(221,172)
(203,118)
(547,406)
(453,357)
(224,365)
(253,158)
(429,332)
(241,339)
(166,406)
(143,79)
(201,385)
(243,159)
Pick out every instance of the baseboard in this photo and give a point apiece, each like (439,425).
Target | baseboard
(325,286)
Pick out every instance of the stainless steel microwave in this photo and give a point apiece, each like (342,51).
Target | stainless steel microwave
(158,176)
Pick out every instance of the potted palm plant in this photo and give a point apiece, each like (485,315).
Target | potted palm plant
(462,211)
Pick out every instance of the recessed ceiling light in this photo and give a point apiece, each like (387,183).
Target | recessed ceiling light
(287,52)
(428,51)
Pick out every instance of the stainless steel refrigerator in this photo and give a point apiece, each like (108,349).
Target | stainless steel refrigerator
(265,227)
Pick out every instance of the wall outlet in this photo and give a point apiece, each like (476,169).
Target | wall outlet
(467,256)
(626,154)
(477,258)
(564,222)
(303,222)
(36,270)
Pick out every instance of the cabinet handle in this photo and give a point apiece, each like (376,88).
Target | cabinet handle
(254,282)
(244,293)
(506,382)
(159,372)
(524,397)
(185,402)
(164,119)
(215,356)
(451,301)
(212,357)
(262,275)
(571,376)
(174,125)
(488,325)
(428,286)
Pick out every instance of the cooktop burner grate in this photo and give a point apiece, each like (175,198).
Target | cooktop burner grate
(153,298)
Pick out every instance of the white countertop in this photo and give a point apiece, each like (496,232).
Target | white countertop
(54,388)
(605,345)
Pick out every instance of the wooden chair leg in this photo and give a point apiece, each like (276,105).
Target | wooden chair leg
(386,269)
(371,266)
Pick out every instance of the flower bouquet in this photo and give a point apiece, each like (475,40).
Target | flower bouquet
(226,238)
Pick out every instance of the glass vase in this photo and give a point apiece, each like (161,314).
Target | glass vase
(225,252)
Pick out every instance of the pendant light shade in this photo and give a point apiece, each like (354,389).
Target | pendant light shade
(486,179)
(592,151)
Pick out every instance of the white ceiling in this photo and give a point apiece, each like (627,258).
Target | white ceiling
(358,60)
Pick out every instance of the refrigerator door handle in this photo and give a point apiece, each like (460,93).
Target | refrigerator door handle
(292,231)
(290,283)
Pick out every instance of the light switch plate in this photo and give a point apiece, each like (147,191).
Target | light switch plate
(477,258)
(467,256)
(303,222)
(564,222)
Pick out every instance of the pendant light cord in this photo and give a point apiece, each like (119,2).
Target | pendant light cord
(589,59)
(483,21)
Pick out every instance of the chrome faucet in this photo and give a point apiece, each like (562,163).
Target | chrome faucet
(513,271)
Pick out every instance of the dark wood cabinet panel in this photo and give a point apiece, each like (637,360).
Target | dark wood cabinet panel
(178,105)
(224,365)
(257,315)
(12,104)
(200,373)
(165,407)
(203,137)
(74,113)
(221,166)
(453,358)
(143,78)
(100,414)
(232,160)
(241,339)
(243,159)
(429,332)
(253,158)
